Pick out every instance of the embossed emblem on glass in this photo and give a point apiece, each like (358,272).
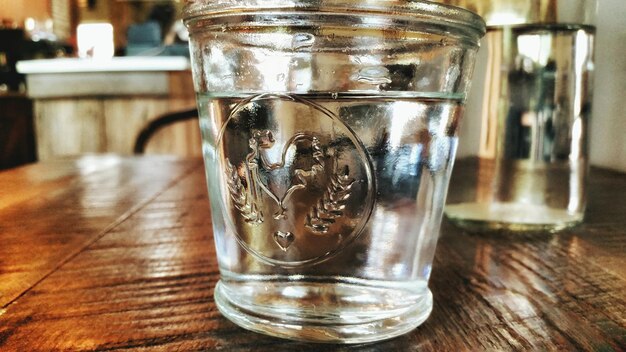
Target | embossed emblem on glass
(296,190)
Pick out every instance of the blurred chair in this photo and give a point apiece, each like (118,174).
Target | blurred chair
(161,122)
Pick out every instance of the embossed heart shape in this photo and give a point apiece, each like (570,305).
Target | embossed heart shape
(283,239)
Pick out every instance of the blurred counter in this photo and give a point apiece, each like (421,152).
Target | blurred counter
(99,106)
(116,64)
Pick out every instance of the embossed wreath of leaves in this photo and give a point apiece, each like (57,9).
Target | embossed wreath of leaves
(239,196)
(332,203)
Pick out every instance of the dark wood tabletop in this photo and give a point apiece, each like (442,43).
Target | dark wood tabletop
(110,253)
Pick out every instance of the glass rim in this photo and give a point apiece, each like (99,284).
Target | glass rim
(419,10)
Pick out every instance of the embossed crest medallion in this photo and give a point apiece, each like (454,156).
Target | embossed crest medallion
(297,184)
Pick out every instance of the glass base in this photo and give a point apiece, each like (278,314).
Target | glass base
(323,312)
(511,217)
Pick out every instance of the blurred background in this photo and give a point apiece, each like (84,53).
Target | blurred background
(50,28)
(86,76)
(105,69)
(608,122)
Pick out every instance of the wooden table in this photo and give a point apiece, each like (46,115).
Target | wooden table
(111,253)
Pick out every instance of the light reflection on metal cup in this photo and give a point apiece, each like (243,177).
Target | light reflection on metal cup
(536,111)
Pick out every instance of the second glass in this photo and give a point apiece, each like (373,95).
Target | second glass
(536,109)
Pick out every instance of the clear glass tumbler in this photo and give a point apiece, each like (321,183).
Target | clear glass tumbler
(536,109)
(329,131)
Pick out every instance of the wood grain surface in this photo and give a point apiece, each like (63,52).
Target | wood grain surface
(103,253)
